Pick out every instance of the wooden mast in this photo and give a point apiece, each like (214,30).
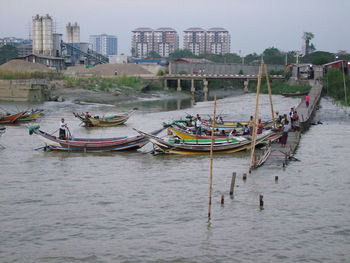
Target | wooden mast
(211,159)
(255,125)
(270,94)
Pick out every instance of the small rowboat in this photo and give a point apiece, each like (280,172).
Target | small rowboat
(91,144)
(203,147)
(96,121)
(11,118)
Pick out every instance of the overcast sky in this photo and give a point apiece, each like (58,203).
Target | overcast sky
(253,24)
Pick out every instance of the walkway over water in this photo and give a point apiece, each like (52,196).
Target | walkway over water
(278,156)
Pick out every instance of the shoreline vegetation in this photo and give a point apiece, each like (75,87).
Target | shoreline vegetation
(337,85)
(131,87)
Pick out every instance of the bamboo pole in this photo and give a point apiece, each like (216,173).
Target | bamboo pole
(270,94)
(255,126)
(211,160)
(343,73)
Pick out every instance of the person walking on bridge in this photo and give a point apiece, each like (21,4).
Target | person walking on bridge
(307,100)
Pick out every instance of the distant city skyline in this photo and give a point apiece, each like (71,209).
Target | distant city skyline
(254,25)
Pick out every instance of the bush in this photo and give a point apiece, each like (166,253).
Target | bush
(334,83)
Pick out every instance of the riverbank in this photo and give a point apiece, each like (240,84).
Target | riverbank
(80,95)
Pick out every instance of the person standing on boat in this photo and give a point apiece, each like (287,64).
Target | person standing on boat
(286,128)
(198,126)
(260,127)
(251,125)
(63,127)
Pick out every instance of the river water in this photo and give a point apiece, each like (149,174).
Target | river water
(136,207)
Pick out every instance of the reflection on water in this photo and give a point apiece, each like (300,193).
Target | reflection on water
(180,103)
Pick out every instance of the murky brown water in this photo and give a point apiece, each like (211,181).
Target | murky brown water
(136,207)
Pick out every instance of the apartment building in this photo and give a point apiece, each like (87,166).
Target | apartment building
(104,44)
(142,42)
(165,41)
(194,39)
(218,41)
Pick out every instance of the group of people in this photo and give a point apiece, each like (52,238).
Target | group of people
(287,123)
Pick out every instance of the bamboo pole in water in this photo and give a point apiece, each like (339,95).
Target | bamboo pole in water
(211,160)
(270,94)
(343,73)
(255,126)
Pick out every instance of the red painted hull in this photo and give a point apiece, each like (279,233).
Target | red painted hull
(11,118)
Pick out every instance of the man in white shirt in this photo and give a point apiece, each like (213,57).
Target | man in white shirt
(63,127)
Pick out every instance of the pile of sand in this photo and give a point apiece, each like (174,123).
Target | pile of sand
(110,70)
(24,66)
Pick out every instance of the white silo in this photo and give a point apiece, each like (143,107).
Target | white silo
(47,35)
(37,35)
(76,33)
(73,33)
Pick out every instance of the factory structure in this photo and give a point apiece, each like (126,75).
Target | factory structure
(48,47)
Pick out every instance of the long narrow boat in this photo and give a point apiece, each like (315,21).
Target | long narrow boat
(91,144)
(11,118)
(96,121)
(174,147)
(186,135)
(30,115)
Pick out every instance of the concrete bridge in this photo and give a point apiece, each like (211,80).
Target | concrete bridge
(207,77)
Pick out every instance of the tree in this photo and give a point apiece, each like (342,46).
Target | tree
(153,54)
(273,55)
(133,52)
(7,52)
(318,58)
(307,36)
(251,58)
(182,53)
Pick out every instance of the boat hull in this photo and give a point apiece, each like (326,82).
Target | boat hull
(92,145)
(12,118)
(218,148)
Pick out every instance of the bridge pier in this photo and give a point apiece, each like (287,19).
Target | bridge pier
(205,89)
(166,84)
(179,88)
(193,88)
(246,83)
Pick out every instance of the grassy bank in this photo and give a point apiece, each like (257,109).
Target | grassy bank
(12,75)
(122,83)
(279,87)
(334,86)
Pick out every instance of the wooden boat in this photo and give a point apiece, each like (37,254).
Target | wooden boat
(203,147)
(295,94)
(96,121)
(11,118)
(91,144)
(186,135)
(31,115)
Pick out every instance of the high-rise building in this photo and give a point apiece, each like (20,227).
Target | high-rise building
(195,40)
(142,42)
(218,41)
(165,41)
(73,33)
(104,44)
